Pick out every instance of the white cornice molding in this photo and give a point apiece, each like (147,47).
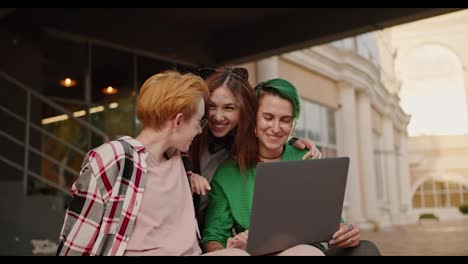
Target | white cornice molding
(347,68)
(315,62)
(399,118)
(379,102)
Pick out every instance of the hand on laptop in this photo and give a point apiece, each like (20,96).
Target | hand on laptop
(348,235)
(239,241)
(200,184)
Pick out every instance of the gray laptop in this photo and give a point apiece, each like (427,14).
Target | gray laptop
(296,202)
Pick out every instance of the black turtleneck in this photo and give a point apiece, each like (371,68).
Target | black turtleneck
(216,144)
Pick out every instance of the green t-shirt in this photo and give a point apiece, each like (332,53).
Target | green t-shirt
(231,198)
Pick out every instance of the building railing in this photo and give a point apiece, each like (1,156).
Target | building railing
(30,127)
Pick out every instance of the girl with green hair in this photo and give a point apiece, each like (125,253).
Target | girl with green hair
(232,187)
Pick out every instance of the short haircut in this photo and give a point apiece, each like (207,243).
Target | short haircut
(165,94)
(282,88)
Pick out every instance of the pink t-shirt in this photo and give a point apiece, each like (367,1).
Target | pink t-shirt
(165,224)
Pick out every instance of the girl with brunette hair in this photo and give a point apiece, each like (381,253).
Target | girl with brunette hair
(231,113)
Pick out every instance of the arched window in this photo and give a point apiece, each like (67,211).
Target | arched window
(433,91)
(438,193)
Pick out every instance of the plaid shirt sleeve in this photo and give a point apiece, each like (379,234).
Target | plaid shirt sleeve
(83,216)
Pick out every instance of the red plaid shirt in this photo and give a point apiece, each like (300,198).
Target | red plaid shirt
(106,199)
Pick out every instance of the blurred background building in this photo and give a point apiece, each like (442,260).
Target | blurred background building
(396,101)
(431,62)
(392,99)
(351,107)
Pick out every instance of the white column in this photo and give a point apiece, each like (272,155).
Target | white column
(466,89)
(347,146)
(391,173)
(405,181)
(267,69)
(366,148)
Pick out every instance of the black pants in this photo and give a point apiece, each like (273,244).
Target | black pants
(365,248)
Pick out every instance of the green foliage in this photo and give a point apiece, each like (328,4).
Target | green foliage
(428,216)
(463,208)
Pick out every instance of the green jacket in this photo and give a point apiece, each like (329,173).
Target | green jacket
(231,198)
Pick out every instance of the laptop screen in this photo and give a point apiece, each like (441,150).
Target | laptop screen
(296,202)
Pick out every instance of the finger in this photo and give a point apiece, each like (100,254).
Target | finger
(193,186)
(244,236)
(234,242)
(350,242)
(338,236)
(317,154)
(344,240)
(308,155)
(299,145)
(230,242)
(241,242)
(344,228)
(309,144)
(340,231)
(343,244)
(197,187)
(242,239)
(201,187)
(207,184)
(348,233)
(343,237)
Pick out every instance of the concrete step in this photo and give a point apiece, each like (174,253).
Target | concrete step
(28,219)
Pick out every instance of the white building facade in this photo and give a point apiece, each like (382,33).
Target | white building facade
(350,108)
(432,61)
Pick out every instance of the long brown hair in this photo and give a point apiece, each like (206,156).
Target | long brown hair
(244,149)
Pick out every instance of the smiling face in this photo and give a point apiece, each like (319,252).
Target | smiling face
(223,111)
(274,124)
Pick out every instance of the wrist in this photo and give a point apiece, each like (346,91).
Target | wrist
(292,141)
(213,246)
